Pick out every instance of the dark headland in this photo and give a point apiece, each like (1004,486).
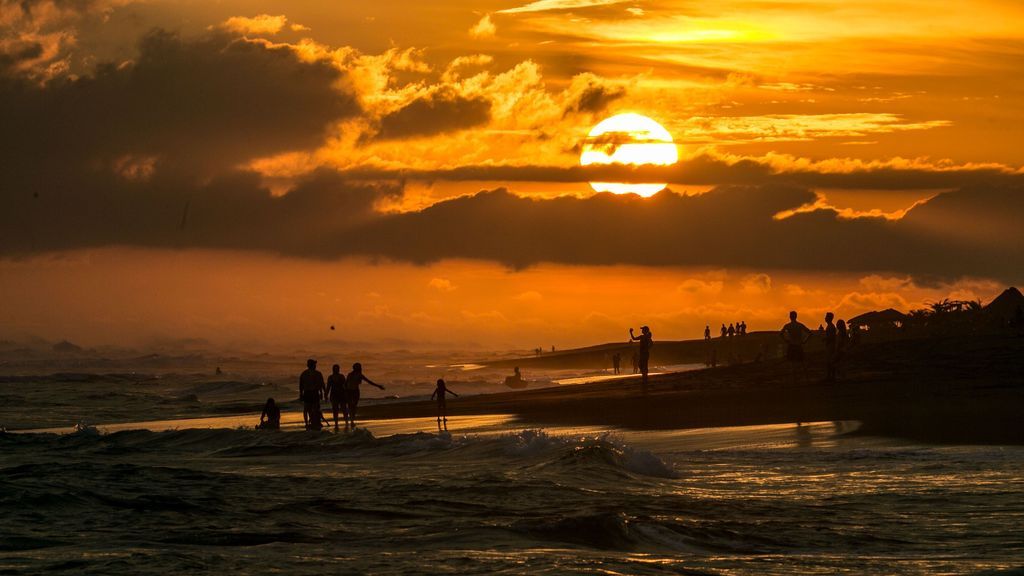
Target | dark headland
(945,384)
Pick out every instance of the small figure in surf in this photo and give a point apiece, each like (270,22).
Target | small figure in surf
(646,340)
(442,404)
(311,389)
(831,347)
(336,391)
(616,361)
(707,333)
(516,379)
(270,419)
(352,381)
(795,335)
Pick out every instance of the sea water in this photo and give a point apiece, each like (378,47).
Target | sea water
(491,496)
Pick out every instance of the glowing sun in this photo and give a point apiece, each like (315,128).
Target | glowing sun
(628,139)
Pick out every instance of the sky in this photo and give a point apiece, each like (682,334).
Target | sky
(250,173)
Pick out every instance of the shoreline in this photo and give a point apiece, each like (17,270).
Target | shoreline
(967,390)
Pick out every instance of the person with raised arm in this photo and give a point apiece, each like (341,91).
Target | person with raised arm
(646,340)
(352,382)
(442,404)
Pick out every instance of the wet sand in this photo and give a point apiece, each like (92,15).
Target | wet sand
(948,390)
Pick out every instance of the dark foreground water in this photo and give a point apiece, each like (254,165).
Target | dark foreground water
(771,500)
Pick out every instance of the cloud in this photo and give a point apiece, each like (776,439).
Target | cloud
(548,5)
(528,296)
(715,168)
(263,24)
(485,28)
(698,286)
(589,93)
(757,284)
(441,284)
(201,105)
(434,114)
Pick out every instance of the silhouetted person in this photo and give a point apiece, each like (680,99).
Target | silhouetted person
(831,337)
(311,389)
(725,331)
(442,404)
(636,363)
(707,332)
(842,343)
(616,361)
(336,391)
(743,328)
(270,419)
(515,381)
(646,340)
(795,335)
(352,381)
(732,331)
(714,358)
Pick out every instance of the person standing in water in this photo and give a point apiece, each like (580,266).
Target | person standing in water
(270,419)
(352,381)
(795,335)
(311,390)
(646,340)
(442,404)
(336,392)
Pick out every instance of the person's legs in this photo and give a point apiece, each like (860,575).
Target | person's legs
(353,403)
(643,372)
(335,407)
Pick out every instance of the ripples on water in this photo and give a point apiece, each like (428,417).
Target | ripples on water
(524,501)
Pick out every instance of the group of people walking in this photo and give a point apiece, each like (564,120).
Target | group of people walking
(343,392)
(340,389)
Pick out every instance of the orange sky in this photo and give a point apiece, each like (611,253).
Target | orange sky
(250,172)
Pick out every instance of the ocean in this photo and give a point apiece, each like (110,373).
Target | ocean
(182,484)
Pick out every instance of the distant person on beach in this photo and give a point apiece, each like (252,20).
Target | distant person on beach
(732,331)
(616,362)
(842,342)
(311,389)
(352,381)
(336,391)
(743,328)
(831,337)
(270,419)
(646,340)
(442,404)
(795,335)
(707,332)
(725,331)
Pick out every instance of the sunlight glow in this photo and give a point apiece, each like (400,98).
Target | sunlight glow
(629,139)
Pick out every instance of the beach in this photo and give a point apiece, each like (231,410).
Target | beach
(946,390)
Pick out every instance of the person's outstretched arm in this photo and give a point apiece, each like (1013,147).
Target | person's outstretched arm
(452,393)
(368,381)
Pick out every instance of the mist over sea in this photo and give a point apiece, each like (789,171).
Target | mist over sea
(201,491)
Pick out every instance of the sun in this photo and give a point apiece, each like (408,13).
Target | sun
(629,139)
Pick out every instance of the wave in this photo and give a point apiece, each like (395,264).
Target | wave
(535,451)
